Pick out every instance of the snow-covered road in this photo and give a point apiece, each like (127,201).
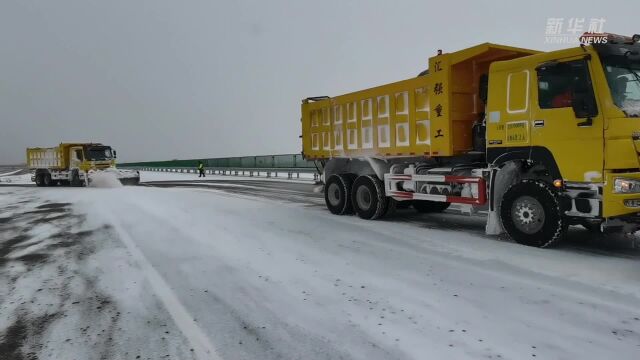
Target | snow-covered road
(212,274)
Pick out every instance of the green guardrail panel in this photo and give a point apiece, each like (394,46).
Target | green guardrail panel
(246,162)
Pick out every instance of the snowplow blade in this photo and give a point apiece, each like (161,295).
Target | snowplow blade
(130,181)
(127,177)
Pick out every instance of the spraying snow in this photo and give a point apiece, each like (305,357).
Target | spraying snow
(104,179)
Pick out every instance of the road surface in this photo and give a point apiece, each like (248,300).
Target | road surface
(256,269)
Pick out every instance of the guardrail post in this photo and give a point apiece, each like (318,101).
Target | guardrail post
(297,175)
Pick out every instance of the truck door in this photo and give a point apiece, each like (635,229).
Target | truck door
(75,157)
(566,120)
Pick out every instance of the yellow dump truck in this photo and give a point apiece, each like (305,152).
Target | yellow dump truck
(538,140)
(74,164)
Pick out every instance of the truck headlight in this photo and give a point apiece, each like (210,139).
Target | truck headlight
(626,186)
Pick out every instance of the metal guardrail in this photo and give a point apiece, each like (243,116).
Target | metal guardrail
(283,161)
(291,173)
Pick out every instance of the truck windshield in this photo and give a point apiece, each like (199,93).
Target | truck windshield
(623,76)
(99,153)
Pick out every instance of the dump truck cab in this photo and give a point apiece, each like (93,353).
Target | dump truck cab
(573,116)
(98,156)
(88,156)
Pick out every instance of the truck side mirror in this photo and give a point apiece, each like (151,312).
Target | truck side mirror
(115,155)
(584,106)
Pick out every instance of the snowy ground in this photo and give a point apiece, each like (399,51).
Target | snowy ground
(222,271)
(15,177)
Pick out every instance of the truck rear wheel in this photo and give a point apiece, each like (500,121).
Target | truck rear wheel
(39,179)
(368,198)
(428,206)
(337,194)
(46,180)
(531,214)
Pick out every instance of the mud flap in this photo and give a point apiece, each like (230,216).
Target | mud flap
(501,179)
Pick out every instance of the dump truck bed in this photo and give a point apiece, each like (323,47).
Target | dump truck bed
(46,158)
(429,115)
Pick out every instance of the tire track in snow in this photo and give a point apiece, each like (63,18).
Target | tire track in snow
(202,346)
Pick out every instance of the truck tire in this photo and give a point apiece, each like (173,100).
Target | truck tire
(39,179)
(368,198)
(428,206)
(75,178)
(532,215)
(337,193)
(46,180)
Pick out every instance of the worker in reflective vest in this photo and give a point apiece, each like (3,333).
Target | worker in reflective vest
(201,169)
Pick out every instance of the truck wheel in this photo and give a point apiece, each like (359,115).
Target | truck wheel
(337,194)
(531,214)
(368,198)
(75,178)
(40,179)
(428,206)
(46,180)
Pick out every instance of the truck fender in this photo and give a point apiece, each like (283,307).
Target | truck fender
(379,166)
(360,166)
(533,154)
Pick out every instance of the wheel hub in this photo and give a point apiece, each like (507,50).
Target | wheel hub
(333,193)
(528,214)
(363,196)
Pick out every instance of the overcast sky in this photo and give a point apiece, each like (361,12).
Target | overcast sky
(165,79)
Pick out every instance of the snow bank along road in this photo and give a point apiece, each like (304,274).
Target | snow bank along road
(220,271)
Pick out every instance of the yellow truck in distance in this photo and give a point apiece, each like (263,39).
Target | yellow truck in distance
(74,163)
(539,140)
